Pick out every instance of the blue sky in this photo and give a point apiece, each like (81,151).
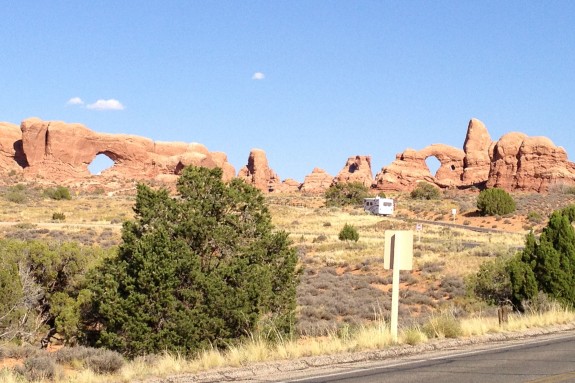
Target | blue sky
(310,82)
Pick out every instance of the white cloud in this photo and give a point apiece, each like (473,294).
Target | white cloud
(110,104)
(258,76)
(75,101)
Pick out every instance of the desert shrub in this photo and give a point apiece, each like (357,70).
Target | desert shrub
(15,351)
(453,285)
(467,222)
(534,217)
(491,283)
(495,202)
(204,268)
(327,224)
(320,238)
(425,191)
(105,361)
(38,368)
(345,298)
(68,355)
(15,195)
(343,194)
(40,287)
(58,193)
(430,267)
(99,191)
(57,216)
(348,233)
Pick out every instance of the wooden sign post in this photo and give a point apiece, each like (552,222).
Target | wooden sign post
(397,255)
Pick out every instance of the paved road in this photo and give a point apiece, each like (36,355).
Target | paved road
(538,361)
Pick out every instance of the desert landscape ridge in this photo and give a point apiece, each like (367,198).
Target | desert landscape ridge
(60,152)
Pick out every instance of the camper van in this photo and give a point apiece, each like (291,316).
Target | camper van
(378,205)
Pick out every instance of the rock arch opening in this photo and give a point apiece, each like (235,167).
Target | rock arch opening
(433,165)
(100,163)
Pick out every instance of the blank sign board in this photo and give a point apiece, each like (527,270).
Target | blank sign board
(398,247)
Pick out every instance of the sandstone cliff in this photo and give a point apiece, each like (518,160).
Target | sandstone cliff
(514,162)
(60,151)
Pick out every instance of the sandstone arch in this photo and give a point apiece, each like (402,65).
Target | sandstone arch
(64,151)
(101,162)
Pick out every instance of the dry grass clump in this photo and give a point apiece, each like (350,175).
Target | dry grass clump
(479,324)
(443,325)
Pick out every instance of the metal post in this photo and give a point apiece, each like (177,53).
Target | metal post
(394,291)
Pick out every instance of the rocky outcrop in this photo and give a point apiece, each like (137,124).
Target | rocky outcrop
(60,151)
(258,173)
(12,158)
(410,167)
(289,185)
(529,164)
(356,169)
(318,181)
(477,161)
(504,161)
(514,162)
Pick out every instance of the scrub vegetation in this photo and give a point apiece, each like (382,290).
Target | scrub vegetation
(335,294)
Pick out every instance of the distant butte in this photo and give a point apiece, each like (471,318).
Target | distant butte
(59,152)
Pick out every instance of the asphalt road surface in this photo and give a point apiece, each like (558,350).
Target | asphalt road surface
(537,361)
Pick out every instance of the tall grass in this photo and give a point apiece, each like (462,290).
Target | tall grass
(362,338)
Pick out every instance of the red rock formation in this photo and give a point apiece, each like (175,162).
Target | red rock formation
(504,162)
(288,185)
(258,173)
(409,168)
(318,181)
(451,160)
(477,162)
(515,162)
(529,164)
(59,151)
(356,169)
(12,157)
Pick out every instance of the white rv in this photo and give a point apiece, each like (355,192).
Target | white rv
(378,205)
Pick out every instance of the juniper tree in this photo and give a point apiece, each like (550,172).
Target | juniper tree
(551,260)
(203,268)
